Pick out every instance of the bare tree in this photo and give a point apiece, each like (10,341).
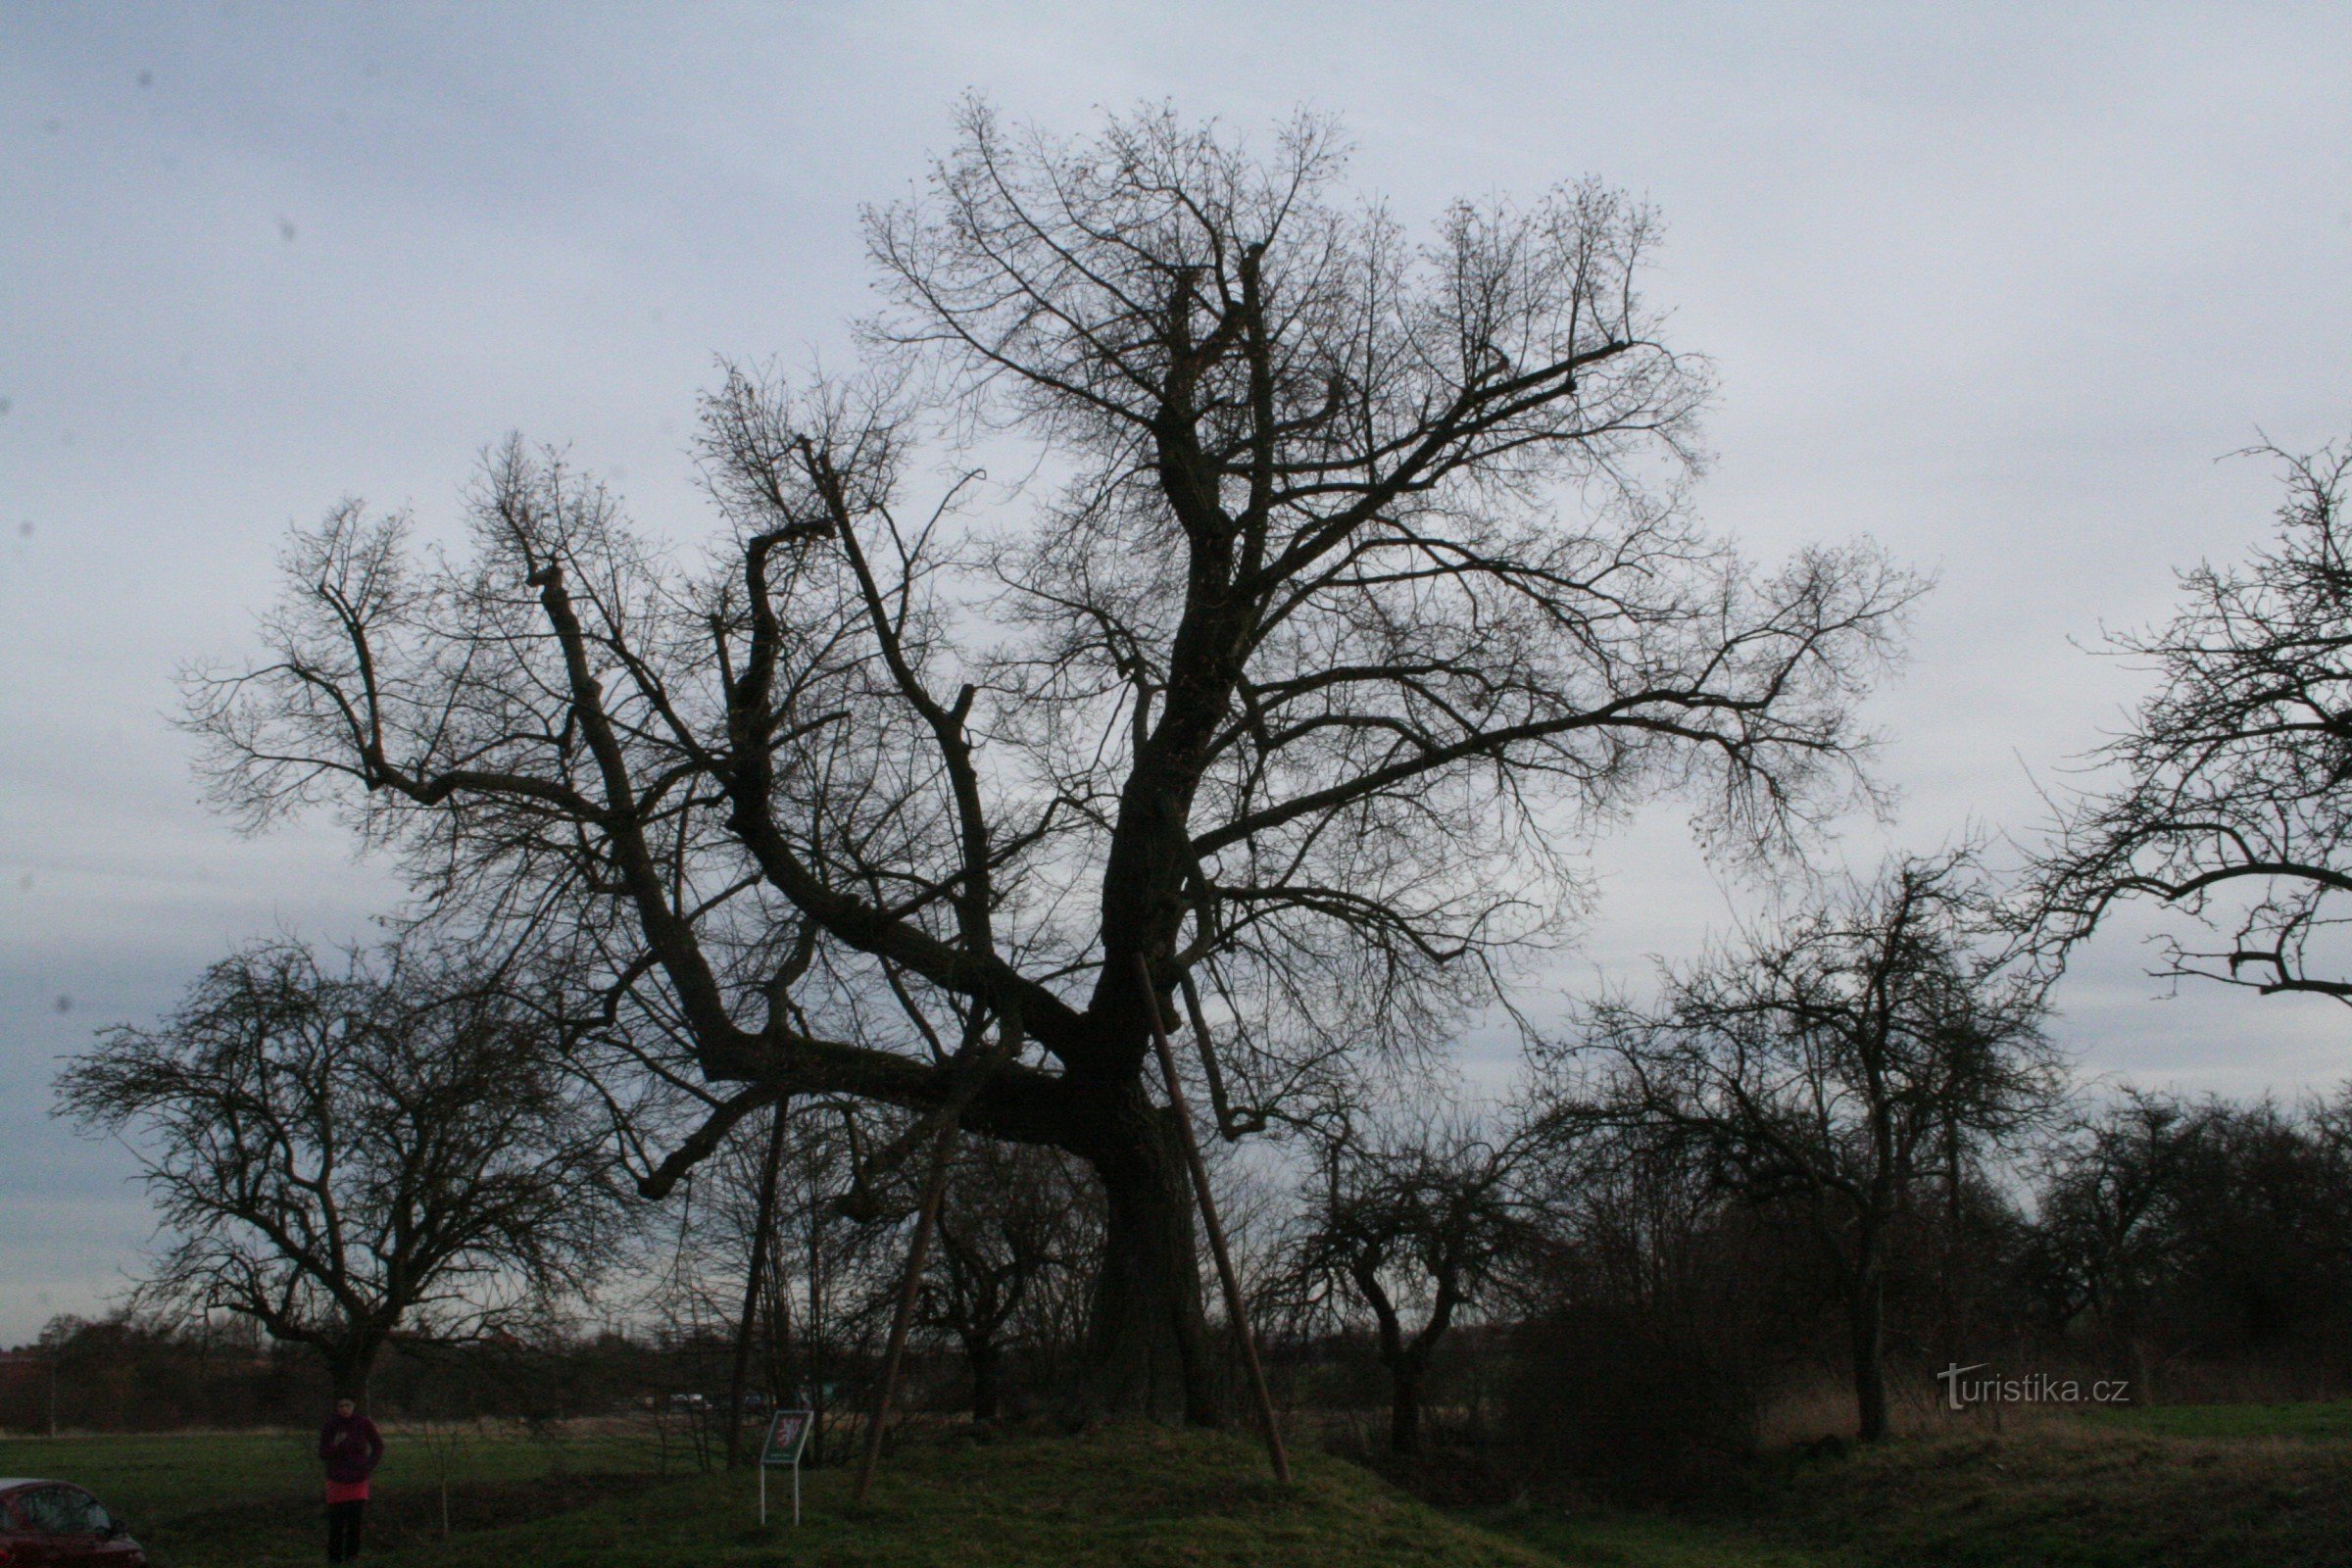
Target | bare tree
(1352,613)
(2104,1234)
(1418,1223)
(1012,1218)
(802,1329)
(1826,1067)
(341,1158)
(2234,800)
(2198,1227)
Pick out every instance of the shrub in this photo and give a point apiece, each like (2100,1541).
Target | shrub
(1642,1407)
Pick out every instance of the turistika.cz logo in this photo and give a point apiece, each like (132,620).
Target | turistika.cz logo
(1960,1391)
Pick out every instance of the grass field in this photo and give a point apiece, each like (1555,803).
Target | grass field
(2229,1487)
(2188,1486)
(2319,1423)
(253,1498)
(1136,1498)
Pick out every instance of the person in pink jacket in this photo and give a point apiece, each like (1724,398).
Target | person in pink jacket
(351,1449)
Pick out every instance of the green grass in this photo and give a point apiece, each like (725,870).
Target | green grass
(1136,1498)
(2075,1495)
(2169,1487)
(200,1499)
(1623,1541)
(2330,1422)
(144,1477)
(2183,1487)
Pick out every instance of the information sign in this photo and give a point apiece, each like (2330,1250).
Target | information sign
(787,1437)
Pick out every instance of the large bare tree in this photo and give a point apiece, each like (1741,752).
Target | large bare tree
(2229,796)
(342,1157)
(1347,589)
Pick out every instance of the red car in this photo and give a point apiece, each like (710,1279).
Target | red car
(48,1522)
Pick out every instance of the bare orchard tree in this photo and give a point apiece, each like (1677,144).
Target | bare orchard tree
(1012,1219)
(1829,1065)
(789,1320)
(2105,1235)
(1348,620)
(2231,800)
(346,1155)
(1408,1223)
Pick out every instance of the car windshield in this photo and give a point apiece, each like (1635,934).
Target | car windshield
(62,1511)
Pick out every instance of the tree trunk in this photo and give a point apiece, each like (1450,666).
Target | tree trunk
(777,1312)
(1867,1311)
(987,1380)
(1950,1325)
(813,1332)
(1145,1352)
(1405,1378)
(348,1365)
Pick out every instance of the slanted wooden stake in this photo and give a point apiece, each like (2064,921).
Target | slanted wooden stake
(926,1218)
(1216,1231)
(764,1238)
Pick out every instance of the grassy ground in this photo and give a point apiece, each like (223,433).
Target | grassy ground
(2177,1487)
(1136,1498)
(2315,1423)
(1630,1540)
(2190,1487)
(200,1499)
(2229,1488)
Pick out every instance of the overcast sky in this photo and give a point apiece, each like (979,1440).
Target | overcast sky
(1995,285)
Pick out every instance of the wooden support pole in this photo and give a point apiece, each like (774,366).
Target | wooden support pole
(763,1228)
(1216,1231)
(918,1251)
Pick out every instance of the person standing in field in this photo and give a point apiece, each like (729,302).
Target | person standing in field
(351,1449)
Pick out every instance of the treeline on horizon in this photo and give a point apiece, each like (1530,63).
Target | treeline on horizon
(1639,1326)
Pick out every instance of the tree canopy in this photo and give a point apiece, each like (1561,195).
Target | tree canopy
(2229,796)
(345,1157)
(1350,588)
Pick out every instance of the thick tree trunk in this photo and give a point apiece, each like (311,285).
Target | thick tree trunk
(348,1365)
(1867,1311)
(1146,1352)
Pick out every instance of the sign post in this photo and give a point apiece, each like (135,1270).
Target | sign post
(787,1436)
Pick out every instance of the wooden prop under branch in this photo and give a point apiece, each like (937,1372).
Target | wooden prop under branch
(1241,1332)
(918,1251)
